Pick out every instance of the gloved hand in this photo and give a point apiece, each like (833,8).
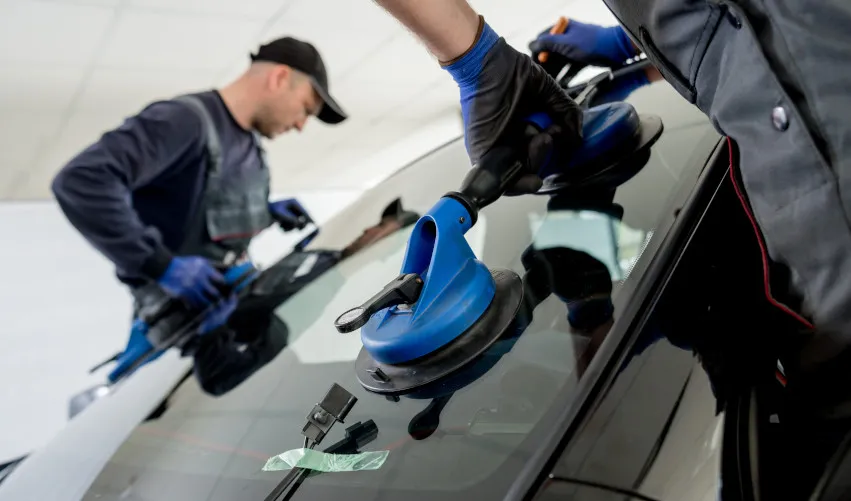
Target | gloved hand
(137,347)
(500,87)
(289,214)
(193,279)
(218,315)
(608,47)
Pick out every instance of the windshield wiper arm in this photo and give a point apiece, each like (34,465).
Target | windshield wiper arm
(336,405)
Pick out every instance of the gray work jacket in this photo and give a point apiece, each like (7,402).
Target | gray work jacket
(773,76)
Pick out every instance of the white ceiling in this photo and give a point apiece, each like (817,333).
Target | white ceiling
(74,68)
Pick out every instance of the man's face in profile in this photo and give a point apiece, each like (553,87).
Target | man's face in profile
(373,234)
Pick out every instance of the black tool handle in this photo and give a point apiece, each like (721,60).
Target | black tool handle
(405,289)
(500,168)
(495,173)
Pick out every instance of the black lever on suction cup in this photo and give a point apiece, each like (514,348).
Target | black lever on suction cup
(405,289)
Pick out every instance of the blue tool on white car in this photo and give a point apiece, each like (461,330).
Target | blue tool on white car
(168,323)
(163,323)
(446,307)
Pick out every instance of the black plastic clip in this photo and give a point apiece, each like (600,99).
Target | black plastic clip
(334,407)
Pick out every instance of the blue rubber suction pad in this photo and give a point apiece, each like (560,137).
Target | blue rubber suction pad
(498,322)
(616,145)
(457,289)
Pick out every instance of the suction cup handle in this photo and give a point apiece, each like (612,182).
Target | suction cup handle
(405,289)
(495,173)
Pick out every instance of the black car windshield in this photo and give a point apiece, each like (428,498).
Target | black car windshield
(468,437)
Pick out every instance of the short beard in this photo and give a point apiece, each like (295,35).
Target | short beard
(259,124)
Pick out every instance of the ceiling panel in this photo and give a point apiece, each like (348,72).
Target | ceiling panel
(100,3)
(23,136)
(256,9)
(439,97)
(325,171)
(42,88)
(383,133)
(34,185)
(316,137)
(101,63)
(390,80)
(126,91)
(49,32)
(507,16)
(344,32)
(360,167)
(78,132)
(162,41)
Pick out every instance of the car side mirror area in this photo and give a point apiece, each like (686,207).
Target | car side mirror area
(79,402)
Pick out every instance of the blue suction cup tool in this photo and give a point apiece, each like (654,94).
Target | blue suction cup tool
(466,347)
(446,307)
(616,146)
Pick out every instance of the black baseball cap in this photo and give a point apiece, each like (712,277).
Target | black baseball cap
(304,57)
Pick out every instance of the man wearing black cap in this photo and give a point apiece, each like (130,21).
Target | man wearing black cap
(183,185)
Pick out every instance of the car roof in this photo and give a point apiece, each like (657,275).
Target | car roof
(481,425)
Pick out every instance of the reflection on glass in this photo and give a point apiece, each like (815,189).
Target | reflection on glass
(254,334)
(472,433)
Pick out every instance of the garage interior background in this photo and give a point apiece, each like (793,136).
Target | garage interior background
(74,68)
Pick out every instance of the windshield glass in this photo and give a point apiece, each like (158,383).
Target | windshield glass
(469,435)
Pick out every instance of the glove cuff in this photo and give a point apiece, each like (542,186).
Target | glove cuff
(465,69)
(154,267)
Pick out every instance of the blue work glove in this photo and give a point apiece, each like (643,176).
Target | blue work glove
(289,214)
(138,347)
(500,87)
(218,315)
(192,279)
(607,47)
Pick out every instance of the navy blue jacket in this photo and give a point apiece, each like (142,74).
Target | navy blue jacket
(133,193)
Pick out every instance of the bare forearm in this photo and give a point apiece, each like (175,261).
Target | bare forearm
(447,27)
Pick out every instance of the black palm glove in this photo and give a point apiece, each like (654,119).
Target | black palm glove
(500,87)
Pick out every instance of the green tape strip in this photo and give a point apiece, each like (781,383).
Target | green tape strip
(320,461)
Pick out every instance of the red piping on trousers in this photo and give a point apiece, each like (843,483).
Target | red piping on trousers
(759,240)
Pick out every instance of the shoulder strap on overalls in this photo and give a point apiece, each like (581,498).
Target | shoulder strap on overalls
(196,223)
(214,146)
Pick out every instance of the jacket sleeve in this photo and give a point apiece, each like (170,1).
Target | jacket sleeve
(94,189)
